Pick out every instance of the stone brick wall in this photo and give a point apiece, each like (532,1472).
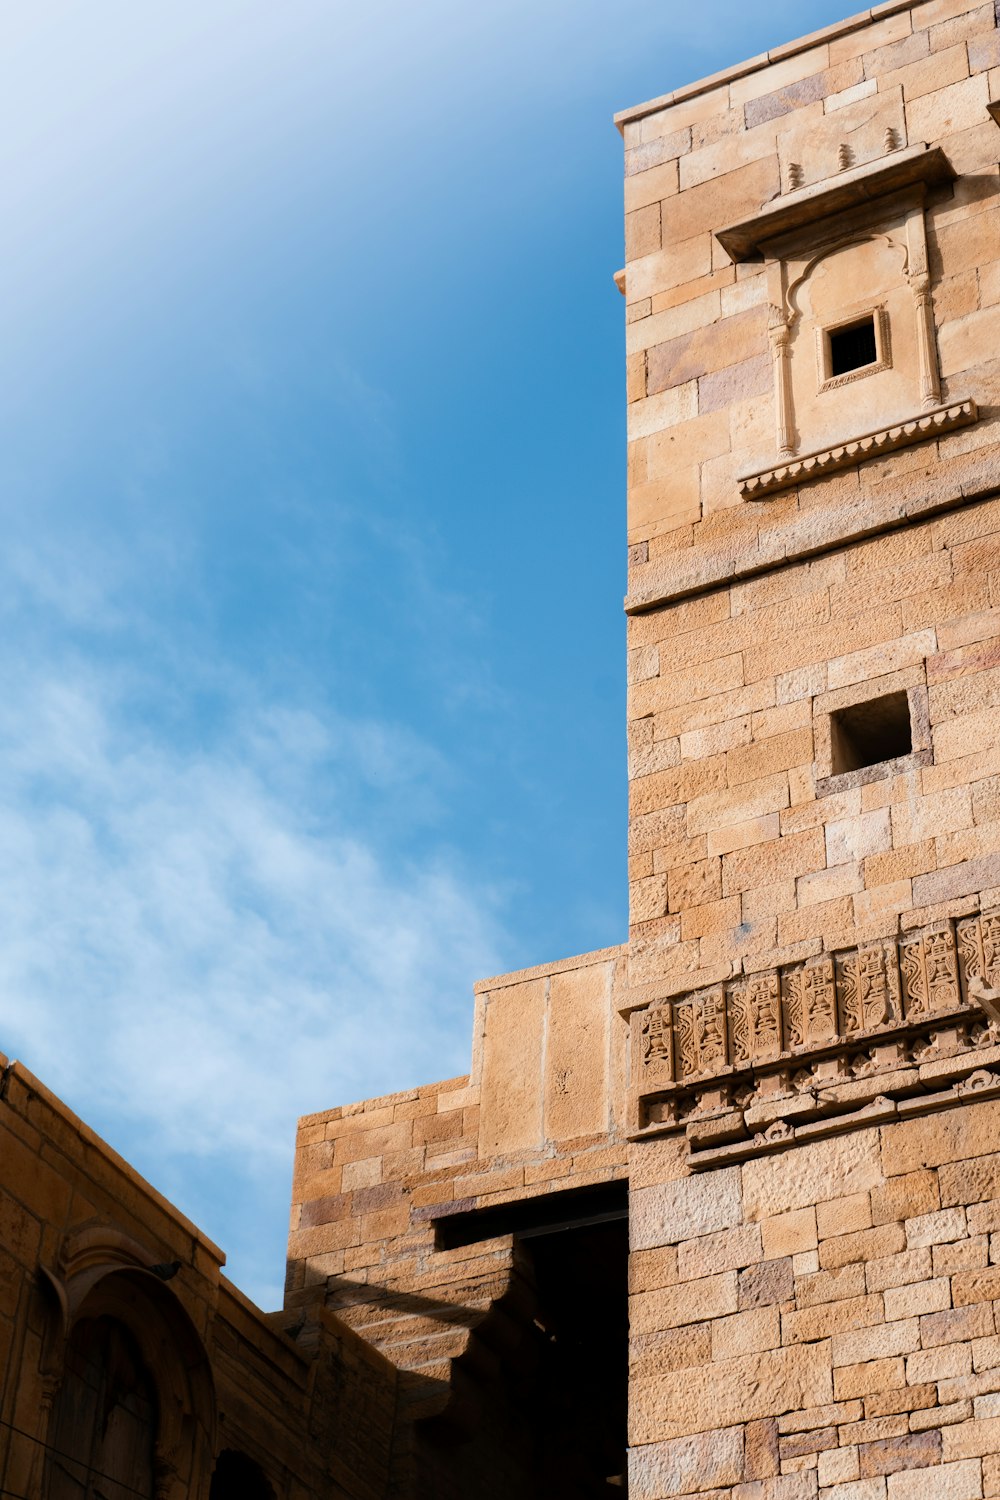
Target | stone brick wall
(822,1322)
(544,1109)
(813,1193)
(750,623)
(734,858)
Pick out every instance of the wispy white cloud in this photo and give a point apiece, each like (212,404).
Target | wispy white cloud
(199,943)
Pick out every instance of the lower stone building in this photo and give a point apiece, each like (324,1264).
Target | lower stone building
(716,1212)
(131,1367)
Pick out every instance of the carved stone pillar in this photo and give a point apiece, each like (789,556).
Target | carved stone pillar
(48,1391)
(930,379)
(780,336)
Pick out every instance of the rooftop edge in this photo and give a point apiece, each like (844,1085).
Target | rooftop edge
(762,60)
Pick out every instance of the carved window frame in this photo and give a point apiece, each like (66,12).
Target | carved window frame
(898,218)
(825,381)
(857,203)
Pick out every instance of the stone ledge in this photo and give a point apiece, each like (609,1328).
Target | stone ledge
(915,429)
(969,1081)
(685,573)
(835,195)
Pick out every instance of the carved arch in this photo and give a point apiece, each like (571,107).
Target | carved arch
(103,1273)
(793,312)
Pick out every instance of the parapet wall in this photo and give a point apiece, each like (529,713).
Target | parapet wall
(545,1107)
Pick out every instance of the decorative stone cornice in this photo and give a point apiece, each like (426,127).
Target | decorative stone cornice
(878,1032)
(869,445)
(835,195)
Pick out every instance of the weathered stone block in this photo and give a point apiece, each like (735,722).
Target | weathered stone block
(677,1210)
(819,1172)
(767,1283)
(890,1455)
(683,1466)
(732,1391)
(955,1481)
(933,1140)
(688,1302)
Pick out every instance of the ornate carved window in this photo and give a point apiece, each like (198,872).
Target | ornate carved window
(849,295)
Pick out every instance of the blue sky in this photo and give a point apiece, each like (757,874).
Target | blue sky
(312,461)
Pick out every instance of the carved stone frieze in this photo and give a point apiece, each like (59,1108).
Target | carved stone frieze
(795,1052)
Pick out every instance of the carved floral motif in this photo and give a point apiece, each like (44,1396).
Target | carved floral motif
(701,1033)
(929,968)
(755,1014)
(979,947)
(870,989)
(810,1004)
(656,1044)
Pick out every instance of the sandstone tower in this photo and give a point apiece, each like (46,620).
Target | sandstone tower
(716,1213)
(786,1084)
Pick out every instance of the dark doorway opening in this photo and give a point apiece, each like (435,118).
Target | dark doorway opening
(581,1277)
(540,1397)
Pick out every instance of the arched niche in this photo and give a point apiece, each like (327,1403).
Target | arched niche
(860,284)
(104,1281)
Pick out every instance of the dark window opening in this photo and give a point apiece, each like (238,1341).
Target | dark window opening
(237,1477)
(854,347)
(866,734)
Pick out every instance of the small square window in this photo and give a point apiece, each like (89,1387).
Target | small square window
(850,350)
(866,734)
(853,347)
